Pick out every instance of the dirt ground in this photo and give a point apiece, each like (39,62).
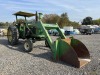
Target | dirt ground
(13,61)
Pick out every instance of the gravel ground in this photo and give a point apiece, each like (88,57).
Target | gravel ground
(13,61)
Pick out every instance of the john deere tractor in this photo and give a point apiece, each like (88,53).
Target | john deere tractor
(70,50)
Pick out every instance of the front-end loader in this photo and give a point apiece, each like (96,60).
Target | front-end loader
(70,50)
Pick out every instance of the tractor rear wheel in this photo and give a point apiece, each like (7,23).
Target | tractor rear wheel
(12,35)
(28,45)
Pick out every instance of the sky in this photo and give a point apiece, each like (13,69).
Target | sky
(77,10)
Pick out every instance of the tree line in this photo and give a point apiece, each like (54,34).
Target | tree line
(4,24)
(90,21)
(62,20)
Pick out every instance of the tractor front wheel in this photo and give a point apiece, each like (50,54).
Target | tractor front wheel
(28,45)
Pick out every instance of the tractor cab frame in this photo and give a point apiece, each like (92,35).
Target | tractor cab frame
(26,29)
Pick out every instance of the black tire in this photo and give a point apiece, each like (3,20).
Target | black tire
(47,44)
(28,45)
(89,33)
(86,33)
(12,35)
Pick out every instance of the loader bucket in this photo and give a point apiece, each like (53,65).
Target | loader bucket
(72,51)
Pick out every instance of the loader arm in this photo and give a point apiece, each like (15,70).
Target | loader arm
(70,50)
(46,27)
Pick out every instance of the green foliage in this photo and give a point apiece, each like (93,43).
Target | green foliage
(4,24)
(75,24)
(87,21)
(96,22)
(62,20)
(50,18)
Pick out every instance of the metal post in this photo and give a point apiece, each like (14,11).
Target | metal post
(36,16)
(25,18)
(16,18)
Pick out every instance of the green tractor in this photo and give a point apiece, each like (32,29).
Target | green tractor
(70,50)
(25,30)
